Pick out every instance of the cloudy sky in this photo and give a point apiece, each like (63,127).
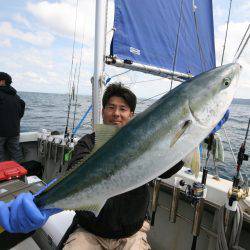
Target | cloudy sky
(37,39)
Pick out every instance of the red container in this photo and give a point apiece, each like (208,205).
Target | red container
(11,170)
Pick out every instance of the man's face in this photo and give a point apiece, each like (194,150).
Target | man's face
(116,112)
(2,83)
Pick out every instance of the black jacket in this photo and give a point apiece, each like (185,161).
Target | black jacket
(11,111)
(122,215)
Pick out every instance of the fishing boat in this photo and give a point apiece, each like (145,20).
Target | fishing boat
(186,212)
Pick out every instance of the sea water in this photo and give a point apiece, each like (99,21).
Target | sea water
(50,111)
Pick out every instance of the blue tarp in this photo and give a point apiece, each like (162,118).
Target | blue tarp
(146,32)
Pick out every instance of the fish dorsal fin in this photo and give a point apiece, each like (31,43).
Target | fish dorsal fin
(103,133)
(180,132)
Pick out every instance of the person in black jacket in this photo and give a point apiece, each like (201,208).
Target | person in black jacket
(122,223)
(11,111)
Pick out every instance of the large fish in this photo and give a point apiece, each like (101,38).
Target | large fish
(150,144)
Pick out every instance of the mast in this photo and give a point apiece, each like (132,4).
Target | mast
(100,36)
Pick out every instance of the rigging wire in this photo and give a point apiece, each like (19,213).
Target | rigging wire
(176,45)
(78,80)
(151,80)
(176,51)
(90,108)
(121,73)
(152,97)
(230,146)
(110,77)
(70,75)
(225,41)
(111,30)
(222,58)
(242,40)
(243,46)
(201,54)
(231,149)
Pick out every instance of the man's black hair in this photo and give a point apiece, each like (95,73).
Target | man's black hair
(6,77)
(117,89)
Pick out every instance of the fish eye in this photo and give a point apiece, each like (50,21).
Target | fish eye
(226,81)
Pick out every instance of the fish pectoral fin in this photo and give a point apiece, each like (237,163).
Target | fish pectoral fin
(103,133)
(180,132)
(193,161)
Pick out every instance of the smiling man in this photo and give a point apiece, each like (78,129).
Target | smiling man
(122,222)
(116,111)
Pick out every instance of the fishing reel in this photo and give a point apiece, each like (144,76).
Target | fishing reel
(239,190)
(195,192)
(236,194)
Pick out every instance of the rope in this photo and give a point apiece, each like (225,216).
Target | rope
(222,243)
(228,19)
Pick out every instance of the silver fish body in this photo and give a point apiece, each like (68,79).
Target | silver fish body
(150,144)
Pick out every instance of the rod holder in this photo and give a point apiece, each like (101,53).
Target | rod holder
(197,217)
(157,183)
(175,199)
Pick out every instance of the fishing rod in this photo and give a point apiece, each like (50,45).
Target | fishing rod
(236,193)
(71,97)
(241,157)
(199,193)
(196,193)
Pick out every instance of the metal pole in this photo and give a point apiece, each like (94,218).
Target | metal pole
(177,76)
(157,184)
(97,87)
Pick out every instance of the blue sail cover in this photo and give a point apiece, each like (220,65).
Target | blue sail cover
(146,32)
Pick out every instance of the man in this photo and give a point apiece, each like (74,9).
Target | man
(11,111)
(122,222)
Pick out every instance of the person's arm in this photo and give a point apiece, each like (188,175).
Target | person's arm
(22,107)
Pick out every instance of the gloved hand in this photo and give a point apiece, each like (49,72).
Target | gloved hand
(22,215)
